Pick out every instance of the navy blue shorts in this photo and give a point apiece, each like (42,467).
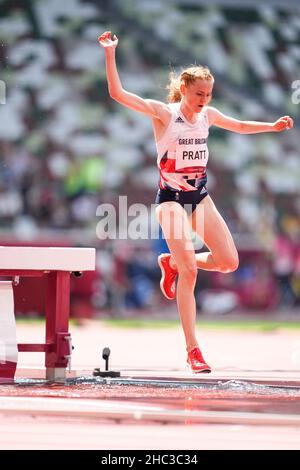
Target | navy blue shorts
(187,199)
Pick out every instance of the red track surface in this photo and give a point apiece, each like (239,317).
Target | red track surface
(232,408)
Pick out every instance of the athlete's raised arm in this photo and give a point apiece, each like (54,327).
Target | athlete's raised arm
(247,127)
(152,108)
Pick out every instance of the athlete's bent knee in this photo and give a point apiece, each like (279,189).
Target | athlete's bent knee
(230,265)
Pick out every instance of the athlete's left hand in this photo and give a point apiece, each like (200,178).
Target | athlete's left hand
(283,123)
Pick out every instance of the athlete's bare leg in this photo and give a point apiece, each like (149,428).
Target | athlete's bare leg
(176,229)
(207,222)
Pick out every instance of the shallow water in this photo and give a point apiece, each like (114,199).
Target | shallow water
(231,395)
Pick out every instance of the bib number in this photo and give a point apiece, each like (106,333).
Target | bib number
(191,155)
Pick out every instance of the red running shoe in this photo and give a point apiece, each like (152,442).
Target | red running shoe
(196,362)
(168,276)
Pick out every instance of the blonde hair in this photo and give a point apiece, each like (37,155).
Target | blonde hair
(187,76)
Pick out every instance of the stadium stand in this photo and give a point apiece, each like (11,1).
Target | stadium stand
(66,147)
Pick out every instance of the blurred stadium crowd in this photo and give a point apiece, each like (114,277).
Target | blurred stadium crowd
(66,147)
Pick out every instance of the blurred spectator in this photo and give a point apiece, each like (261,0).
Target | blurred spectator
(285,263)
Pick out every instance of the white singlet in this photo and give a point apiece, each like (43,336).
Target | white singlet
(182,152)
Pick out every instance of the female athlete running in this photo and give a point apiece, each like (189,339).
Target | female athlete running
(181,129)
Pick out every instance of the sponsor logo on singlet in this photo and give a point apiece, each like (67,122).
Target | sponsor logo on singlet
(179,119)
